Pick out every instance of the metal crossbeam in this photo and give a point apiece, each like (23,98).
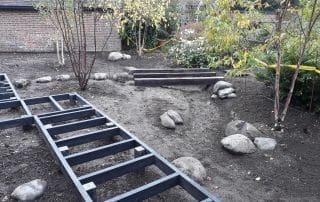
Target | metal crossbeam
(84,116)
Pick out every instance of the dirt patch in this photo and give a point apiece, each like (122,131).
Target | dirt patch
(290,173)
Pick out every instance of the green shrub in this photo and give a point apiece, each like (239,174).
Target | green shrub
(190,53)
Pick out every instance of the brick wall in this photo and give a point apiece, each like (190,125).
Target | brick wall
(25,31)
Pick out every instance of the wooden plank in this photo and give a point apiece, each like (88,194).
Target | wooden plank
(176,70)
(173,75)
(176,81)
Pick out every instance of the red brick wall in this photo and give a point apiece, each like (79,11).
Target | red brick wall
(23,31)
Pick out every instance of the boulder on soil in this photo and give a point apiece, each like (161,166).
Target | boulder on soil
(45,79)
(232,95)
(167,122)
(191,167)
(100,76)
(242,127)
(126,56)
(220,85)
(224,93)
(238,144)
(214,96)
(265,144)
(63,77)
(21,83)
(30,191)
(114,56)
(175,116)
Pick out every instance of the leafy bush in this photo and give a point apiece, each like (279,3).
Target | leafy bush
(190,53)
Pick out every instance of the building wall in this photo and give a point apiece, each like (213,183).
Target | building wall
(25,31)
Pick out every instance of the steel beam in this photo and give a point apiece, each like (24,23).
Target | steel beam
(118,170)
(75,126)
(68,116)
(16,122)
(148,190)
(89,137)
(100,152)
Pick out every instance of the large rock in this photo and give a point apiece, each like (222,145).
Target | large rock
(21,83)
(265,144)
(167,122)
(45,79)
(126,56)
(100,76)
(220,85)
(175,116)
(242,127)
(63,77)
(224,93)
(232,95)
(114,56)
(30,191)
(191,167)
(238,144)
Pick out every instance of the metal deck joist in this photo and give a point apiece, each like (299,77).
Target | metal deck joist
(82,115)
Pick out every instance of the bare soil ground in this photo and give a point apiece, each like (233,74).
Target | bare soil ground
(290,173)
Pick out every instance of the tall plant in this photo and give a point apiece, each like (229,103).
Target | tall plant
(70,18)
(140,15)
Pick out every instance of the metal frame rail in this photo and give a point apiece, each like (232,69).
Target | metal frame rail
(54,124)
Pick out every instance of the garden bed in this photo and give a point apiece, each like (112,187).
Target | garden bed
(290,173)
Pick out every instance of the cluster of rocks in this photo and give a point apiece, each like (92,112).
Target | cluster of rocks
(170,119)
(29,191)
(244,138)
(223,90)
(115,56)
(22,83)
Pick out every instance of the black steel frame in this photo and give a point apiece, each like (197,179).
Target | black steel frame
(85,115)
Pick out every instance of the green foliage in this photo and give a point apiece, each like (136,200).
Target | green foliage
(163,32)
(306,83)
(228,30)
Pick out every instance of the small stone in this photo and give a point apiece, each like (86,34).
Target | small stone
(238,144)
(130,70)
(114,56)
(100,76)
(45,79)
(242,127)
(191,167)
(167,122)
(220,85)
(214,96)
(175,116)
(130,83)
(126,56)
(30,191)
(265,144)
(232,95)
(63,77)
(225,92)
(21,83)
